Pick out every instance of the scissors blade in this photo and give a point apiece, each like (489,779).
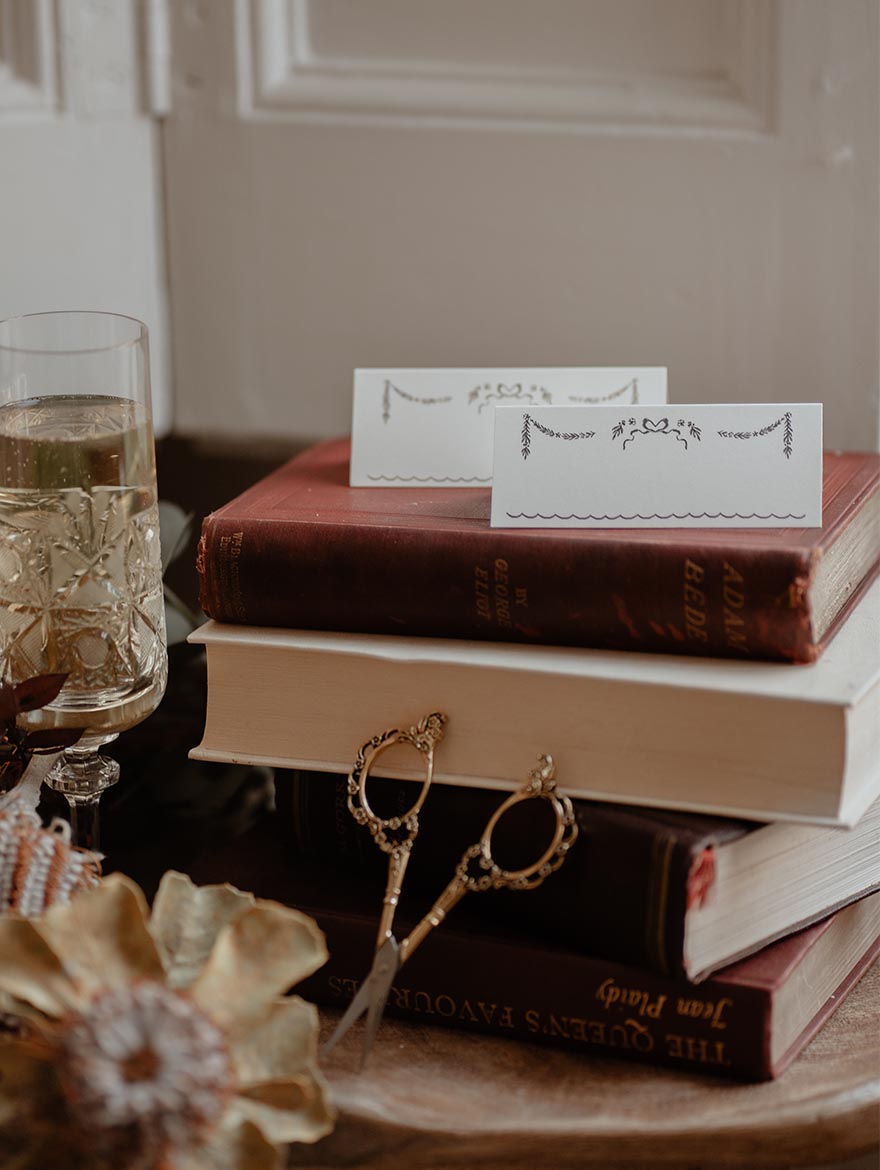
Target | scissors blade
(386,966)
(371,997)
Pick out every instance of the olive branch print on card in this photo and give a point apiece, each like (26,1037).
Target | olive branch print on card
(526,434)
(386,399)
(787,433)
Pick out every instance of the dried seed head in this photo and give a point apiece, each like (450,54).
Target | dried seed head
(147,1061)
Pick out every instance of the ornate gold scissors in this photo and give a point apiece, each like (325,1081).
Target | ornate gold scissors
(476,871)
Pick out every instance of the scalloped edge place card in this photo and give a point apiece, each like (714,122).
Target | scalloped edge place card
(744,465)
(433,427)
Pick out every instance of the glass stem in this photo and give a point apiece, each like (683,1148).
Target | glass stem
(85,821)
(81,775)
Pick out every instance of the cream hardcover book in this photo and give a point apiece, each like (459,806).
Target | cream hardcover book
(761,740)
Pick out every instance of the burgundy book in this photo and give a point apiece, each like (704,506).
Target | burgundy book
(747,1021)
(302,549)
(678,893)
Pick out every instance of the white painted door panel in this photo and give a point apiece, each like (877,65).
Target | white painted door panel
(690,183)
(80,185)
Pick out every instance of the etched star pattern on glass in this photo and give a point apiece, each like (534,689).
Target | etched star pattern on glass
(80,569)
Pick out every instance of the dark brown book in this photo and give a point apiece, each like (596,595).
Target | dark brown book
(748,1021)
(678,893)
(302,549)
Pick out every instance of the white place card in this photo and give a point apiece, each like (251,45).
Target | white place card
(748,465)
(433,427)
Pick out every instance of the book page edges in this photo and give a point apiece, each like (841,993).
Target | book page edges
(833,965)
(777,879)
(860,787)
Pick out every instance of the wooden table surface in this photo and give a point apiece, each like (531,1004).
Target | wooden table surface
(437,1098)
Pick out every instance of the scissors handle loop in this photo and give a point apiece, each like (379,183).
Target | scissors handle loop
(489,875)
(541,785)
(394,835)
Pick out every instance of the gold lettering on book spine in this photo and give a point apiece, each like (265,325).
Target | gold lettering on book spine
(734,598)
(696,605)
(638,1028)
(229,574)
(695,602)
(714,1011)
(497,596)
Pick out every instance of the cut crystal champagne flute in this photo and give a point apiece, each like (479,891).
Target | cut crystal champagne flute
(80,571)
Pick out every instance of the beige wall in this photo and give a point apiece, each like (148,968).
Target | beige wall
(691,183)
(81,215)
(480,182)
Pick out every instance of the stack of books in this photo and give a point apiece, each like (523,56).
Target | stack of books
(711,700)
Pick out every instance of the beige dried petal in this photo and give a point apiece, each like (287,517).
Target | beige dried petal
(186,920)
(293,1109)
(265,951)
(283,1043)
(237,1145)
(30,970)
(101,937)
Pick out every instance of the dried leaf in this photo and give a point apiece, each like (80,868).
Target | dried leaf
(102,937)
(186,920)
(8,703)
(39,691)
(52,739)
(281,1044)
(31,971)
(238,1145)
(290,1109)
(265,951)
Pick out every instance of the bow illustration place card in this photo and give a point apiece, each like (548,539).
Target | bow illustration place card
(433,427)
(749,465)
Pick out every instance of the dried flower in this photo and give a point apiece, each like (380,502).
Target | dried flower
(162,1042)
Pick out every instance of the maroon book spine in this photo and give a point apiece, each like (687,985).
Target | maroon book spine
(486,983)
(302,549)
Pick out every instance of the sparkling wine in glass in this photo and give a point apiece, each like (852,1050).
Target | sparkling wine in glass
(80,571)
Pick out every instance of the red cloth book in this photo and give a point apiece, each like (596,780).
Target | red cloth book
(302,549)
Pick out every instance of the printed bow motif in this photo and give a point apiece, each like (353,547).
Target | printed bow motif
(660,426)
(500,392)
